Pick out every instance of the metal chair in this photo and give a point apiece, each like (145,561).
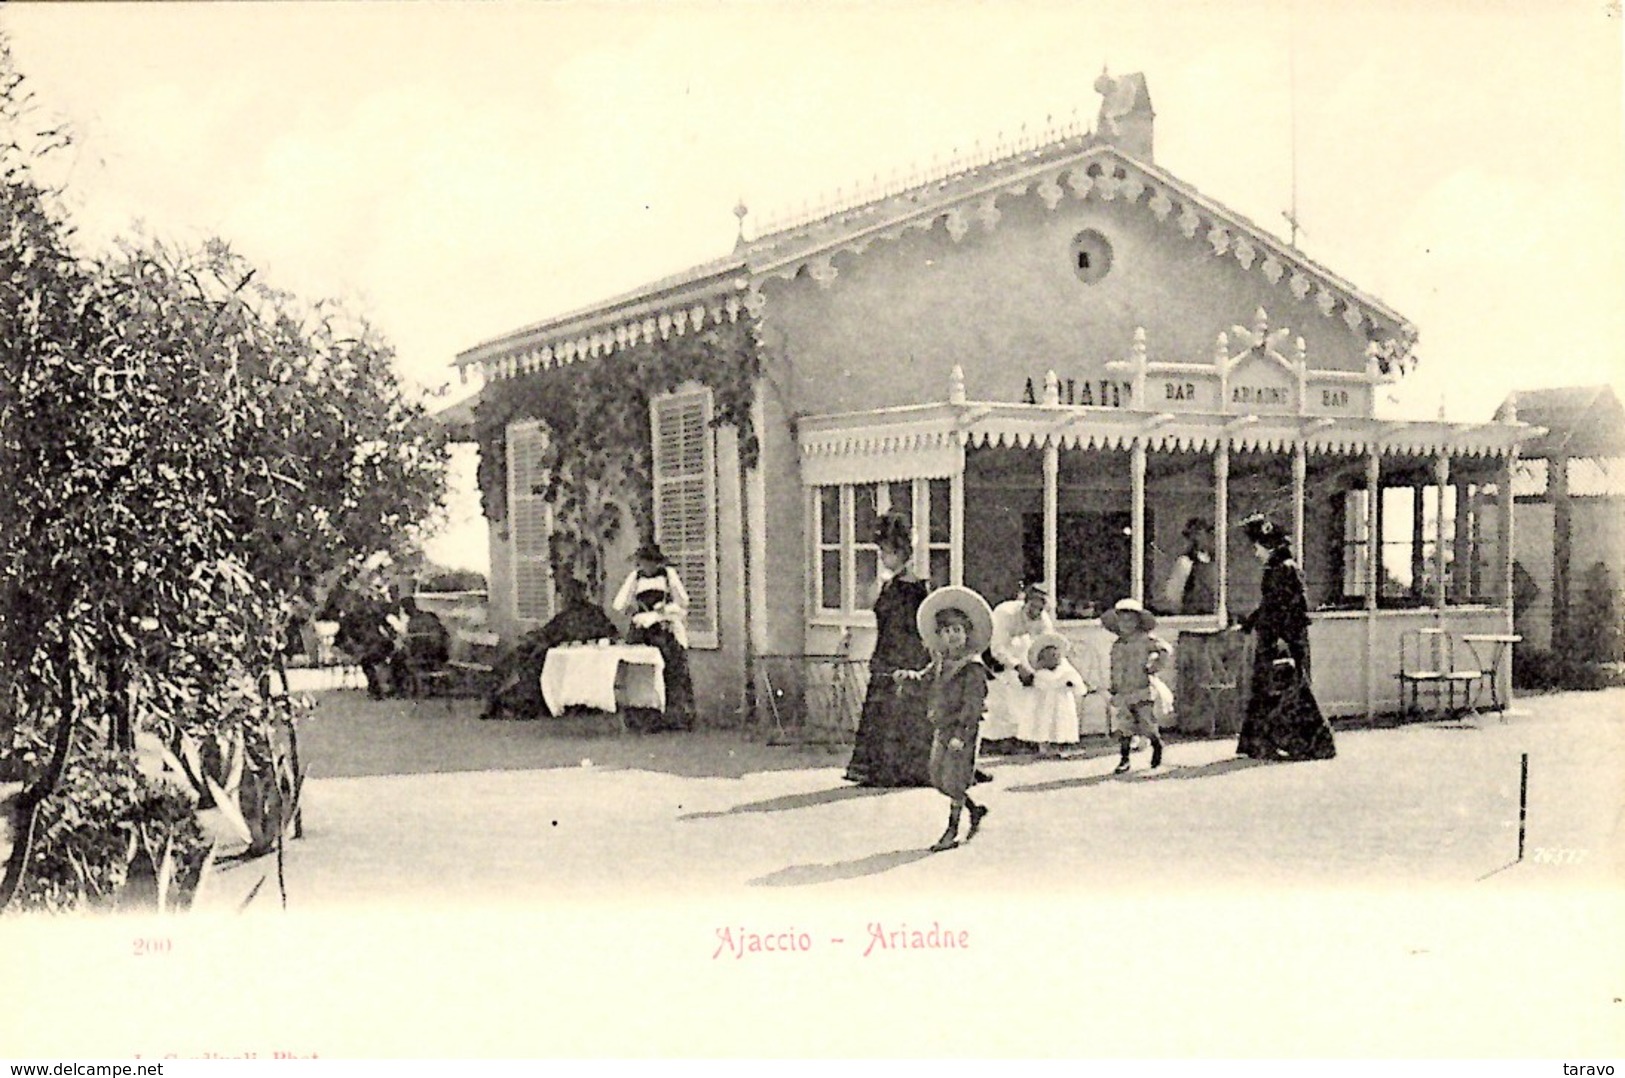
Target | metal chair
(1427,658)
(1422,661)
(1499,644)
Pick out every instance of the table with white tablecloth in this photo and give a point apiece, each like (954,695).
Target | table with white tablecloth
(605,677)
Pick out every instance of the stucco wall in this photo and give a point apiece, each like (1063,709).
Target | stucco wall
(1008,304)
(783,572)
(719,682)
(501,614)
(1596,533)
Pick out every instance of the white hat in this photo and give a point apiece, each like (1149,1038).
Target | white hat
(1112,620)
(968,602)
(1047,640)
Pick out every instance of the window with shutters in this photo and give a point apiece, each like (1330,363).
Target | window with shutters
(530,524)
(685,503)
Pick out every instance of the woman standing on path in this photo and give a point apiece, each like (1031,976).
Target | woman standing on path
(1283,720)
(893,746)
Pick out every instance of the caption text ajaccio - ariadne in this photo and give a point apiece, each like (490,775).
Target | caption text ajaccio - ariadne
(877,938)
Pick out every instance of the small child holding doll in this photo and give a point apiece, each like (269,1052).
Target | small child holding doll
(957,624)
(1057,686)
(1139,698)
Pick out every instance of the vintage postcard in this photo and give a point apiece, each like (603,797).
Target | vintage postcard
(1053,531)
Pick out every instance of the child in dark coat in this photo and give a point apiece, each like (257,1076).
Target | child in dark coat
(957,624)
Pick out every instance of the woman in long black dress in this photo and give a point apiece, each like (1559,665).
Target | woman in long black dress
(1283,720)
(894,734)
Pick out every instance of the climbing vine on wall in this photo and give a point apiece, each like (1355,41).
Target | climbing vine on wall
(597,455)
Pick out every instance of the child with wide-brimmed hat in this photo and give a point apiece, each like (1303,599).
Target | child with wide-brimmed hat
(1138,697)
(956,624)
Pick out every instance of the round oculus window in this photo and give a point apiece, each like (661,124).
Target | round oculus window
(1091,256)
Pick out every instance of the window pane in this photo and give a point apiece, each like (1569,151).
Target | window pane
(1398,514)
(867,564)
(902,501)
(1430,551)
(865,512)
(939,567)
(1432,525)
(1179,494)
(1396,570)
(1354,514)
(1093,555)
(829,514)
(1354,569)
(941,520)
(829,580)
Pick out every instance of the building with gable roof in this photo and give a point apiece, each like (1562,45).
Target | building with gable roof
(1570,501)
(1049,358)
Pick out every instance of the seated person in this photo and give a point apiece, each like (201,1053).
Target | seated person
(1193,586)
(421,643)
(364,632)
(516,682)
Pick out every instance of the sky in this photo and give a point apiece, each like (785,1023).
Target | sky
(455,171)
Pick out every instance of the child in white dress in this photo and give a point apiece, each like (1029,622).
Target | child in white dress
(1052,721)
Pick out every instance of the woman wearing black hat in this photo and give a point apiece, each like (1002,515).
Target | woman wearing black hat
(1283,720)
(654,595)
(893,744)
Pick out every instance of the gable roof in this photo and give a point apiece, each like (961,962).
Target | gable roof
(1071,164)
(1580,421)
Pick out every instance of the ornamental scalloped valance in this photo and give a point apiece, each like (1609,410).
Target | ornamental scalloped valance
(929,441)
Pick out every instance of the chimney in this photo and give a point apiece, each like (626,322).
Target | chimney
(1126,115)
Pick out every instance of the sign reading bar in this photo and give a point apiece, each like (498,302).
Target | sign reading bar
(1255,389)
(1183,395)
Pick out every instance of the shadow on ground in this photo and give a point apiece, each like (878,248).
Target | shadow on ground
(792,802)
(350,735)
(1141,773)
(873,865)
(1205,771)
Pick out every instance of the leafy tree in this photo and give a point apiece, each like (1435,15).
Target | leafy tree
(191,456)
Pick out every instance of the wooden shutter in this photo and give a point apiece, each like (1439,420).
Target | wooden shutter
(530,524)
(685,503)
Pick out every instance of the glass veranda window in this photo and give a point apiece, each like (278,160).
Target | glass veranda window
(845,519)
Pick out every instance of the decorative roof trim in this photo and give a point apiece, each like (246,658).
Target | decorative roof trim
(939,427)
(1226,232)
(560,342)
(671,302)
